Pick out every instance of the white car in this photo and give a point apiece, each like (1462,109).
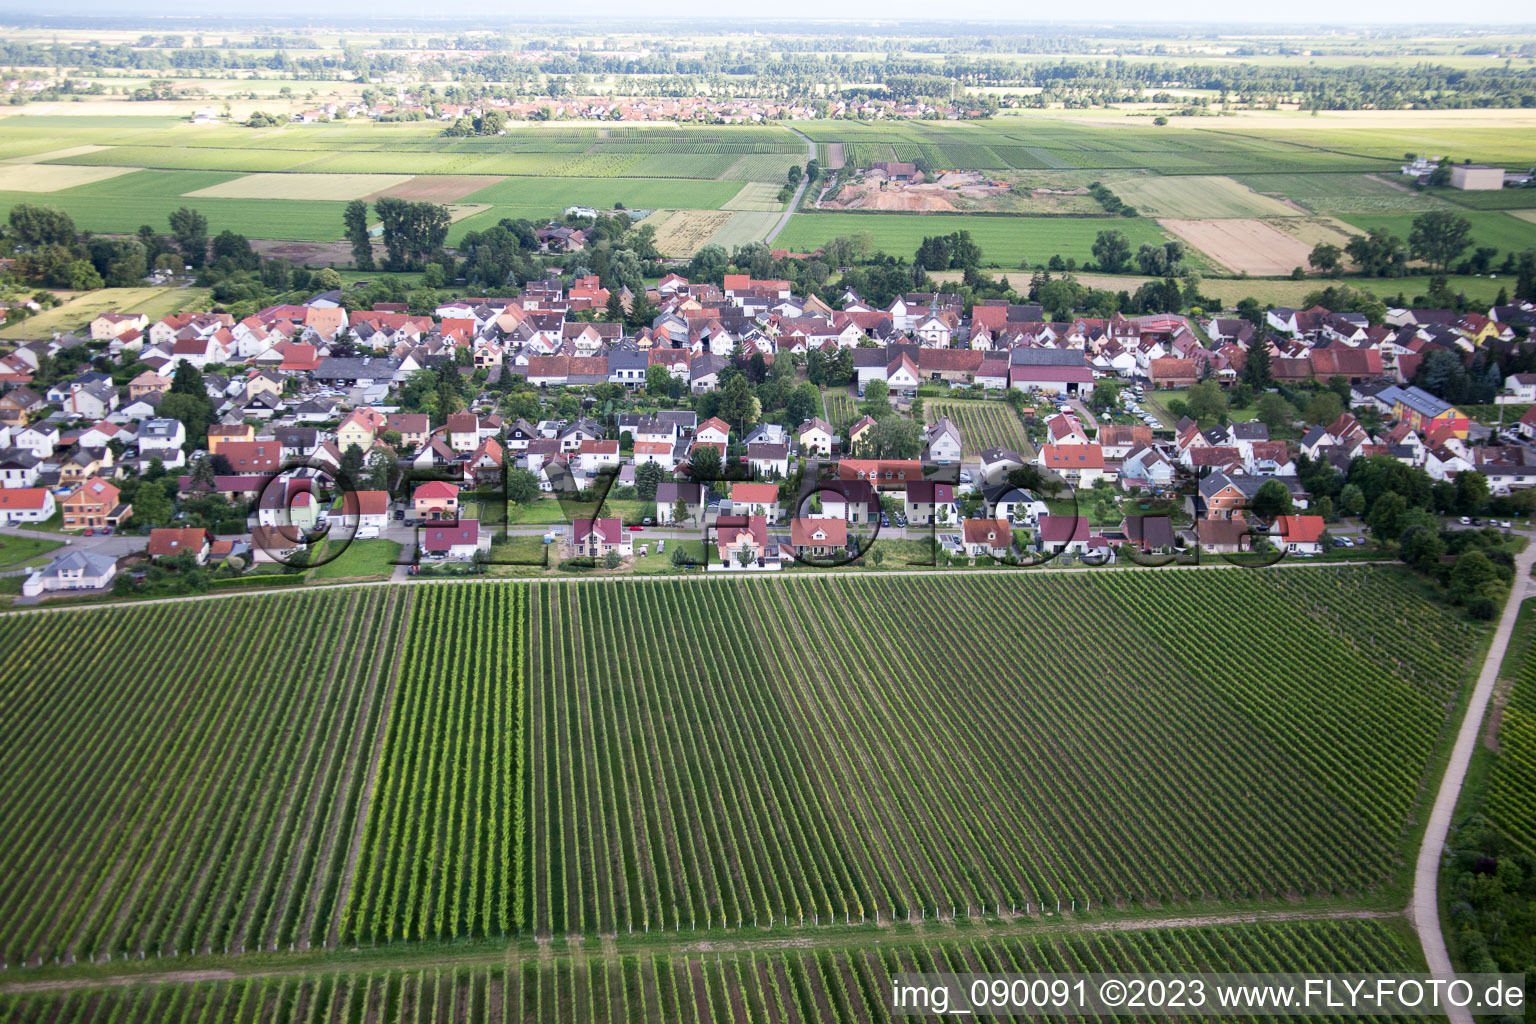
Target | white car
(1466,520)
(366,533)
(1505,524)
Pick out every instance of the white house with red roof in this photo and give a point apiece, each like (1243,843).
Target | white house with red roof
(458,540)
(1300,535)
(26,505)
(435,499)
(595,538)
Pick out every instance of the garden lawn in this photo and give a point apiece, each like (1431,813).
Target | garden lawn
(17,551)
(363,559)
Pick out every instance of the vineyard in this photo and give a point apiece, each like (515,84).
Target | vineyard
(982,425)
(840,409)
(398,764)
(1512,782)
(829,985)
(195,794)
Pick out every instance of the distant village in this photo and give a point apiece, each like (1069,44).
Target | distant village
(300,395)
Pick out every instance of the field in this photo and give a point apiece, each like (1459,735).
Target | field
(1525,215)
(301,186)
(363,559)
(491,770)
(1344,193)
(1511,793)
(1251,246)
(1004,241)
(1506,232)
(30,177)
(827,983)
(115,173)
(197,803)
(79,310)
(680,233)
(1195,196)
(761,196)
(839,408)
(744,227)
(982,425)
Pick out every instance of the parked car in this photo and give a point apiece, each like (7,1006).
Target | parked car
(1359,542)
(1505,523)
(646,521)
(399,513)
(637,528)
(366,533)
(1476,521)
(90,532)
(1466,520)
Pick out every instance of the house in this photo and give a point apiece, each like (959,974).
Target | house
(595,538)
(815,436)
(253,458)
(1223,536)
(742,541)
(988,537)
(941,442)
(1173,373)
(713,431)
(769,460)
(1051,371)
(18,468)
(362,510)
(1063,535)
(168,543)
(817,538)
(1527,424)
(1149,534)
(752,499)
(1079,464)
(26,505)
(1427,414)
(413,427)
(275,544)
(930,502)
(112,325)
(463,431)
(1300,535)
(93,505)
(1065,428)
(853,501)
(75,570)
(1005,501)
(435,499)
(667,495)
(1145,466)
(360,428)
(456,540)
(997,463)
(860,429)
(148,383)
(161,437)
(595,456)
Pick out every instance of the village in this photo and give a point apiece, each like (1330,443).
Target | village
(604,442)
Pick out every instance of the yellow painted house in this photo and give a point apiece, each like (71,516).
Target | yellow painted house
(360,428)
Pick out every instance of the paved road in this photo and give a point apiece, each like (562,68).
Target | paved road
(794,204)
(1424,908)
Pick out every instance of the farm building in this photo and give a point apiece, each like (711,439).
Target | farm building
(1477,177)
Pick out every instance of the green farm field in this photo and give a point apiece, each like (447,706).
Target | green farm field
(1004,241)
(1195,196)
(532,785)
(1344,193)
(1503,231)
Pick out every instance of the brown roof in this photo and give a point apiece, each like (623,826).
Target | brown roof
(167,542)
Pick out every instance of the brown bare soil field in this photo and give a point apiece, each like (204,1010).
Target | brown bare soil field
(438,188)
(1243,245)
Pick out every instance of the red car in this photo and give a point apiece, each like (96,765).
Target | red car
(637,528)
(90,532)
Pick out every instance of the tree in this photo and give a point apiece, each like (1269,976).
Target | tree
(1326,257)
(895,438)
(877,398)
(1378,253)
(709,263)
(1324,408)
(704,464)
(1384,515)
(1473,575)
(36,226)
(355,218)
(190,229)
(1421,547)
(233,252)
(647,478)
(1206,402)
(1438,237)
(679,514)
(1112,251)
(522,486)
(801,404)
(1471,492)
(151,505)
(1324,507)
(1352,500)
(612,560)
(738,406)
(1271,500)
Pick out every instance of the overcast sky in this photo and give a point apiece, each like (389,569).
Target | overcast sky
(1304,13)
